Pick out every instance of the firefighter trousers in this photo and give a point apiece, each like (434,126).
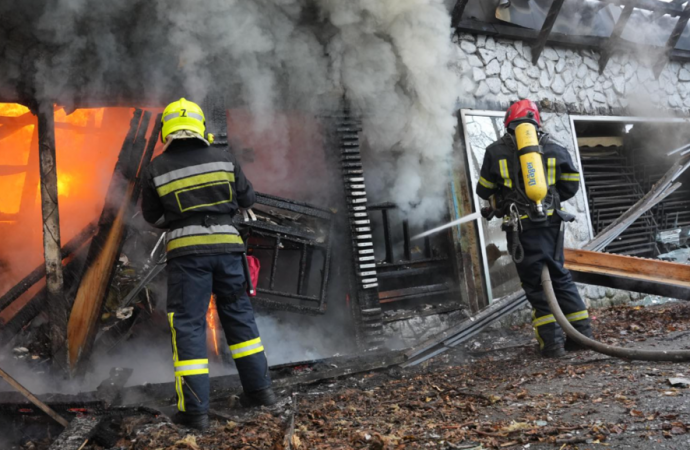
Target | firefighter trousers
(191,280)
(540,246)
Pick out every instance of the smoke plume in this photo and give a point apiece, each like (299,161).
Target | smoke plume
(388,57)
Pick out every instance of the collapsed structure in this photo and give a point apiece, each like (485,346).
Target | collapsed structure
(348,176)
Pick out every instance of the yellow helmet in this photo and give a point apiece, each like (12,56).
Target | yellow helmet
(183,115)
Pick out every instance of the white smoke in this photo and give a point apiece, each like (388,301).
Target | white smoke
(389,57)
(392,58)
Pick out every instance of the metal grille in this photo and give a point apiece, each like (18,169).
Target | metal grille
(612,189)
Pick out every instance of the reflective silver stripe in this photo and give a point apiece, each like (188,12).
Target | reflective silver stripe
(237,351)
(185,172)
(175,115)
(194,230)
(191,367)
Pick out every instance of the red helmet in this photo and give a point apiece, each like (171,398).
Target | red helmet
(524,109)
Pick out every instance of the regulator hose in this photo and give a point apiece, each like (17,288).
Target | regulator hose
(618,352)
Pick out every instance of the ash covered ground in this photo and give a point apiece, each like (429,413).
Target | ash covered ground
(493,393)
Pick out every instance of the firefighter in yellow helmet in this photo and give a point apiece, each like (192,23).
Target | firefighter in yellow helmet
(526,175)
(194,190)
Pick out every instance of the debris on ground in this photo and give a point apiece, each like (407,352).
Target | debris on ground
(475,398)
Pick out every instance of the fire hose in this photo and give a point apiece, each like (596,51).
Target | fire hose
(610,350)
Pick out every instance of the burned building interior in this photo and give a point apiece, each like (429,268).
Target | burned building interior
(356,144)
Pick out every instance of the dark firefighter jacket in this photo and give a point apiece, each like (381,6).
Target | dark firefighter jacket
(501,171)
(194,190)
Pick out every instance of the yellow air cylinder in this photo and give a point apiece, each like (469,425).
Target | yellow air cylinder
(531,163)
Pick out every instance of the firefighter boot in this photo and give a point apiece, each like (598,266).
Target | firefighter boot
(585,328)
(197,421)
(550,337)
(264,397)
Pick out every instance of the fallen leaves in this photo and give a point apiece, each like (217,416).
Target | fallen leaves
(189,441)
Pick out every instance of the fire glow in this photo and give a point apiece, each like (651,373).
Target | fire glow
(88,143)
(212,321)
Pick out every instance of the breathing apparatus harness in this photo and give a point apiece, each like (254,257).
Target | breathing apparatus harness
(535,200)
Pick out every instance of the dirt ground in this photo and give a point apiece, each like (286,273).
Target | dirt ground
(494,393)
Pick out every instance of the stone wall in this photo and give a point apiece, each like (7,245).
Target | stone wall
(500,71)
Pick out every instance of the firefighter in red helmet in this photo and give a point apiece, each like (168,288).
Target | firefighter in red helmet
(526,175)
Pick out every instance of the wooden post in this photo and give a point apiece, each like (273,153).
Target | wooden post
(32,398)
(51,224)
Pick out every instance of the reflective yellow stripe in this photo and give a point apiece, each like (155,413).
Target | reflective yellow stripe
(552,170)
(185,373)
(543,320)
(194,181)
(172,329)
(503,165)
(536,330)
(204,240)
(248,352)
(246,348)
(245,344)
(486,183)
(180,395)
(224,183)
(570,177)
(178,380)
(190,362)
(580,315)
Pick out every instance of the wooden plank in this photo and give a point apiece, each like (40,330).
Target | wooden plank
(51,224)
(32,398)
(27,306)
(628,266)
(105,246)
(40,272)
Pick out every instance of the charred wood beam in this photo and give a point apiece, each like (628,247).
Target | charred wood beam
(673,40)
(39,272)
(77,433)
(293,206)
(458,10)
(387,236)
(546,28)
(106,245)
(607,50)
(51,224)
(29,305)
(32,398)
(406,240)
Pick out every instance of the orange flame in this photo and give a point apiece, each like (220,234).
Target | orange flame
(212,320)
(87,145)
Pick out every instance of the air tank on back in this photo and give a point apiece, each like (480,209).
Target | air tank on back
(532,164)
